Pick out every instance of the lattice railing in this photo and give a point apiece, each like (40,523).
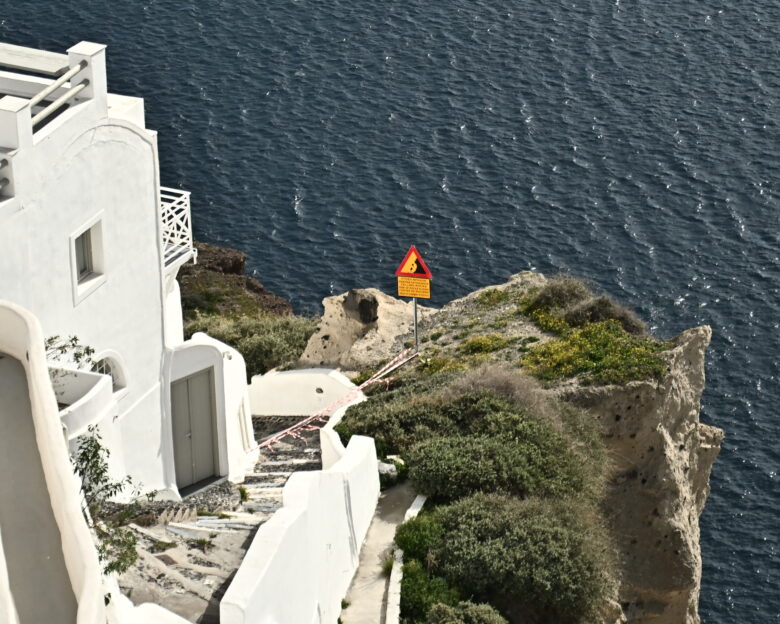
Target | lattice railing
(176,224)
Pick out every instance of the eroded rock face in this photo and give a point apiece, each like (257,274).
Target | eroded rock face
(359,328)
(662,456)
(217,285)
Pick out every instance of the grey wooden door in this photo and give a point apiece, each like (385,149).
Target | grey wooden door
(194,425)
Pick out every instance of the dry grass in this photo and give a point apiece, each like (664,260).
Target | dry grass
(511,384)
(603,308)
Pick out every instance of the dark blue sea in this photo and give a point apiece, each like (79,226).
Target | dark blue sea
(631,142)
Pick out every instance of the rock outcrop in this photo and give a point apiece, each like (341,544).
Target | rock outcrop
(662,456)
(217,285)
(359,328)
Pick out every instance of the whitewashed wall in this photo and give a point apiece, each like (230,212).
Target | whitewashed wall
(301,562)
(85,165)
(21,337)
(235,435)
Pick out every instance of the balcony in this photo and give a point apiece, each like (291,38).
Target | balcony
(84,398)
(176,228)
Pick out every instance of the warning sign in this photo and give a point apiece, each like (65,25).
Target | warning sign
(418,287)
(413,265)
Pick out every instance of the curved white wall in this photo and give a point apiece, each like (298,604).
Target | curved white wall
(297,392)
(21,338)
(235,437)
(8,613)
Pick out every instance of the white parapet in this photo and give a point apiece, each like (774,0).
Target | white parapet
(302,560)
(297,392)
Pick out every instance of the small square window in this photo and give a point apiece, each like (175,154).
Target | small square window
(86,259)
(84,262)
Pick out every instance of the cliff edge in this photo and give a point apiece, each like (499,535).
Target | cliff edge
(661,453)
(663,456)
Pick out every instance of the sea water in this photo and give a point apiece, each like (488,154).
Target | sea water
(630,142)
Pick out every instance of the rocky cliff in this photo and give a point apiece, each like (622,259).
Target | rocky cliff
(217,284)
(663,456)
(662,453)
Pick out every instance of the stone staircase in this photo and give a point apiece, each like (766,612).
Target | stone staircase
(188,555)
(262,486)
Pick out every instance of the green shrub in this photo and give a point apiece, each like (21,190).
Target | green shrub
(440,364)
(520,390)
(398,423)
(522,457)
(546,321)
(601,353)
(116,545)
(545,558)
(394,425)
(465,613)
(419,536)
(420,591)
(362,377)
(264,341)
(484,344)
(402,470)
(601,309)
(493,297)
(585,439)
(387,565)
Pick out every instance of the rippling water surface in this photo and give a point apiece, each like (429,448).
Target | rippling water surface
(632,142)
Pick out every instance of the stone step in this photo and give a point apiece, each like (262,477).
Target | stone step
(263,488)
(300,466)
(226,525)
(192,531)
(263,507)
(298,450)
(264,480)
(279,473)
(178,514)
(266,497)
(295,461)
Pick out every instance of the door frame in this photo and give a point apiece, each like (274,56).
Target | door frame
(215,438)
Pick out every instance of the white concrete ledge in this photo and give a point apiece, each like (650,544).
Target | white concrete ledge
(393,612)
(302,560)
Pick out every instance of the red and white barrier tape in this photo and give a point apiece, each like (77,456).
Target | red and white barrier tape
(307,423)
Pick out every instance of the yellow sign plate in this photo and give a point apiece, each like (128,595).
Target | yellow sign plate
(419,287)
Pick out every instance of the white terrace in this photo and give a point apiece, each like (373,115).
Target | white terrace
(40,92)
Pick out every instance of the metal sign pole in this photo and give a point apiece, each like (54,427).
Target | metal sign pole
(416,344)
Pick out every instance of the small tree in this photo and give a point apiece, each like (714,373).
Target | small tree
(69,350)
(116,545)
(59,348)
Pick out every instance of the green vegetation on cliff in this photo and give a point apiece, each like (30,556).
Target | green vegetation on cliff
(515,479)
(218,299)
(264,340)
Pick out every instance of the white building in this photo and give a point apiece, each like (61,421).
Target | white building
(91,245)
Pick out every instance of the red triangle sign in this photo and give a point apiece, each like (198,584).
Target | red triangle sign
(413,265)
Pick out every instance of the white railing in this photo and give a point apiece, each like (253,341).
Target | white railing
(63,99)
(176,225)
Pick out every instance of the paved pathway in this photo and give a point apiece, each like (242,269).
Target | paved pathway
(190,580)
(367,594)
